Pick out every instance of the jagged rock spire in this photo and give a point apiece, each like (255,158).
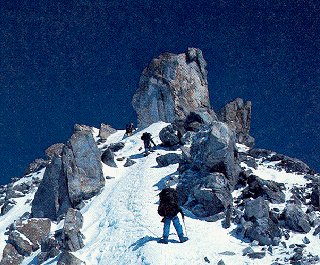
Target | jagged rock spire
(171,87)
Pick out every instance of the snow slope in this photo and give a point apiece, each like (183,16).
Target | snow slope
(121,225)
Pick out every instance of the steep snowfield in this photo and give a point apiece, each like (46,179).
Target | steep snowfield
(121,225)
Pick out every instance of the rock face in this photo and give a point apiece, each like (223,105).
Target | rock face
(72,237)
(213,150)
(171,87)
(52,199)
(296,219)
(204,195)
(70,179)
(82,167)
(237,114)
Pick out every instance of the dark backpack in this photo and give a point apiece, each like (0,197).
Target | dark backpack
(168,206)
(146,136)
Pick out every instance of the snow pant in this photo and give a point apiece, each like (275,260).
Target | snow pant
(147,146)
(176,224)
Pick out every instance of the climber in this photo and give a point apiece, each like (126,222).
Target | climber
(169,209)
(147,140)
(129,129)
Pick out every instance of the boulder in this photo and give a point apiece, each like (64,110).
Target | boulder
(115,147)
(256,209)
(296,219)
(66,258)
(72,238)
(54,150)
(268,189)
(129,162)
(169,135)
(213,149)
(210,196)
(52,199)
(82,167)
(10,256)
(168,159)
(105,131)
(49,249)
(315,195)
(107,157)
(263,230)
(237,114)
(171,87)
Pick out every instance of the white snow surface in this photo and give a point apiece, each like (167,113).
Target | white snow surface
(121,225)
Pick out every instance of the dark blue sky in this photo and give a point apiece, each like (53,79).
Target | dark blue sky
(79,62)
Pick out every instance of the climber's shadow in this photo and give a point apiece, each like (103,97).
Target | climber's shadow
(142,241)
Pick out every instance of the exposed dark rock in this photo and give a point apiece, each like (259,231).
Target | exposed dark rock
(237,114)
(306,240)
(286,163)
(10,256)
(36,230)
(213,150)
(115,147)
(193,122)
(296,219)
(105,131)
(54,150)
(81,128)
(82,167)
(256,209)
(108,158)
(263,230)
(22,187)
(72,237)
(7,206)
(168,159)
(27,236)
(256,255)
(66,258)
(221,262)
(207,196)
(36,165)
(248,160)
(315,195)
(171,87)
(51,199)
(316,231)
(129,162)
(169,136)
(247,251)
(24,247)
(270,190)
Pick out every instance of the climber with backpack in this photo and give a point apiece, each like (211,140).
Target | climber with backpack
(169,209)
(129,129)
(147,140)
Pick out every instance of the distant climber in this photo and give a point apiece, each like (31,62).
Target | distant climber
(129,129)
(169,209)
(147,140)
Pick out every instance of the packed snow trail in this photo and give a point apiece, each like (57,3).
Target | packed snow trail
(121,225)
